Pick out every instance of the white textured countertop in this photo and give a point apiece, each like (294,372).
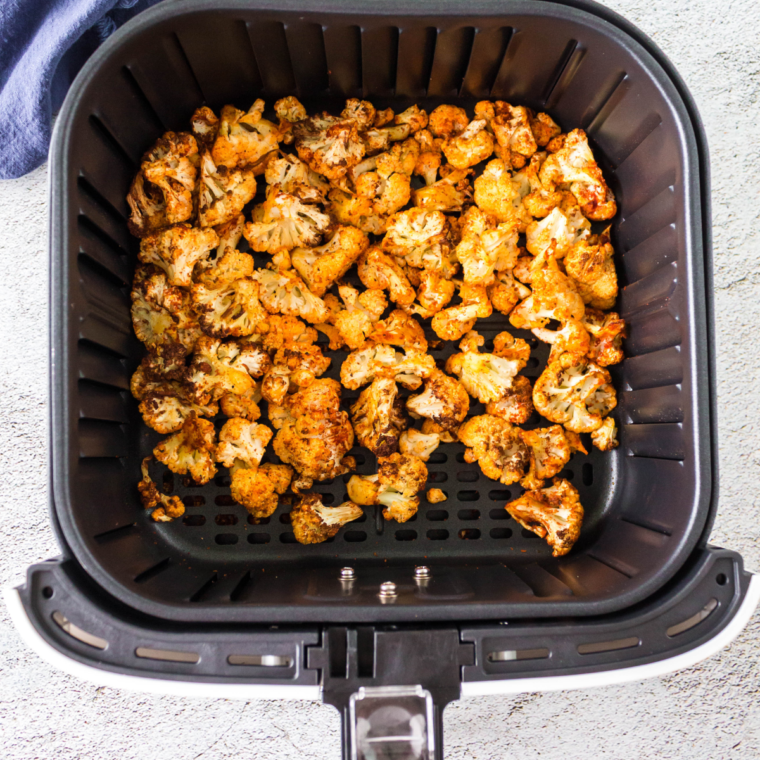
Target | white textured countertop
(707,712)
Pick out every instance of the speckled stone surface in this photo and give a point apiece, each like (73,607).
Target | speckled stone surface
(708,712)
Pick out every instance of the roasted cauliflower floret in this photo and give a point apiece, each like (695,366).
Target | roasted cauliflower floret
(167,414)
(496,446)
(283,222)
(232,309)
(486,377)
(421,238)
(399,329)
(564,228)
(284,292)
(449,193)
(448,121)
(360,111)
(379,271)
(605,436)
(516,405)
(471,146)
(288,174)
(500,194)
(607,332)
(414,116)
(512,129)
(321,267)
(377,360)
(242,443)
(359,314)
(544,128)
(444,400)
(244,405)
(314,523)
(485,247)
(177,250)
(590,265)
(435,496)
(329,145)
(223,192)
(257,489)
(294,365)
(165,508)
(205,125)
(571,338)
(574,166)
(549,452)
(416,443)
(243,138)
(506,292)
(147,207)
(290,109)
(455,321)
(553,513)
(190,451)
(378,417)
(219,368)
(575,393)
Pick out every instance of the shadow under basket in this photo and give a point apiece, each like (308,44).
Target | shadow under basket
(647,504)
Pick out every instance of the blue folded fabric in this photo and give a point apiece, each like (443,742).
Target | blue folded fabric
(43,44)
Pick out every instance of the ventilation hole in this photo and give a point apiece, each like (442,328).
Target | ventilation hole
(406,535)
(499,495)
(460,457)
(288,538)
(467,476)
(258,520)
(226,539)
(152,571)
(360,459)
(285,518)
(204,588)
(194,521)
(438,535)
(721,579)
(525,533)
(566,474)
(355,536)
(76,632)
(609,646)
(226,519)
(327,498)
(470,534)
(437,515)
(468,496)
(260,660)
(223,481)
(438,477)
(500,533)
(690,622)
(587,473)
(508,655)
(48,592)
(258,538)
(224,500)
(532,363)
(499,514)
(437,457)
(168,655)
(168,482)
(468,514)
(188,482)
(288,500)
(361,519)
(194,501)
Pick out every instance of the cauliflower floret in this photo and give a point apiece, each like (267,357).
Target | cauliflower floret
(257,489)
(362,310)
(433,294)
(485,247)
(544,128)
(165,508)
(564,228)
(571,338)
(470,147)
(205,125)
(574,166)
(233,309)
(376,360)
(294,364)
(378,417)
(511,127)
(500,194)
(329,145)
(605,437)
(190,450)
(543,199)
(450,193)
(283,222)
(314,523)
(377,140)
(452,323)
(171,166)
(496,446)
(607,332)
(356,210)
(506,292)
(590,265)
(242,442)
(284,292)
(399,329)
(416,443)
(244,138)
(321,267)
(448,121)
(242,404)
(414,116)
(422,239)
(282,330)
(177,250)
(549,452)
(516,405)
(444,401)
(167,414)
(435,496)
(429,159)
(217,369)
(553,513)
(223,192)
(288,174)
(486,377)
(433,428)
(290,109)
(397,484)
(147,207)
(151,378)
(575,393)
(380,272)
(360,111)
(230,266)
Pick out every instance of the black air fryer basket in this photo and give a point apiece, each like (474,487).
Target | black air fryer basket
(219,600)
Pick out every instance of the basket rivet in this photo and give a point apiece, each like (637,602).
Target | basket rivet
(421,572)
(347,574)
(387,589)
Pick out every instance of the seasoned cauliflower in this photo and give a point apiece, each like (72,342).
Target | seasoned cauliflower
(288,174)
(399,329)
(242,443)
(243,138)
(590,265)
(360,111)
(205,125)
(553,513)
(219,368)
(177,250)
(190,450)
(564,228)
(607,332)
(223,192)
(506,292)
(290,109)
(377,360)
(167,414)
(244,405)
(294,365)
(233,309)
(485,247)
(435,496)
(605,437)
(422,239)
(380,272)
(283,222)
(455,321)
(321,267)
(512,129)
(257,489)
(444,400)
(147,207)
(165,508)
(496,446)
(544,128)
(471,146)
(314,523)
(356,210)
(378,417)
(500,194)
(450,193)
(433,294)
(486,377)
(516,405)
(358,315)
(448,121)
(572,338)
(281,330)
(225,268)
(575,393)
(284,292)
(574,166)
(549,452)
(416,443)
(329,145)
(414,116)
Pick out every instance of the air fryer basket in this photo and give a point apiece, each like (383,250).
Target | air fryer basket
(647,503)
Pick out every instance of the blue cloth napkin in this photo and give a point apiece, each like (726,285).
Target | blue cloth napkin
(43,44)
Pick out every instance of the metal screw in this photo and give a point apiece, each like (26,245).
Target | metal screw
(347,574)
(421,572)
(387,590)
